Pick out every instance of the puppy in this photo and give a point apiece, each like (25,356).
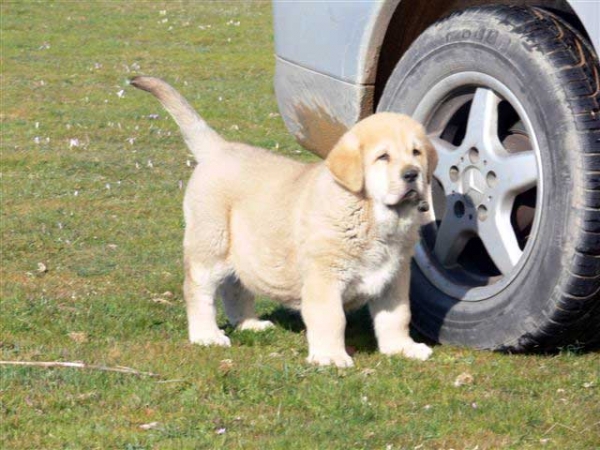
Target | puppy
(323,238)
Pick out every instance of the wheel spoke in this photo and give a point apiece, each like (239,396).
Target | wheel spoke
(452,235)
(500,241)
(444,148)
(519,172)
(446,157)
(482,124)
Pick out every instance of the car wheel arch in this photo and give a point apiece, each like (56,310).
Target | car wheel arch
(402,29)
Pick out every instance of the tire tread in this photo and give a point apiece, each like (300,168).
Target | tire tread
(576,316)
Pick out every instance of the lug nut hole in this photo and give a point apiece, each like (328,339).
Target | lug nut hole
(491,178)
(459,209)
(474,155)
(454,174)
(482,213)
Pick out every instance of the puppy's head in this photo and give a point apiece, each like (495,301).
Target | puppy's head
(387,157)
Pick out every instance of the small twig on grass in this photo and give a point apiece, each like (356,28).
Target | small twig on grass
(177,380)
(559,425)
(597,424)
(79,365)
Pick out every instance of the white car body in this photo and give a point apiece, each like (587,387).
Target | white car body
(333,58)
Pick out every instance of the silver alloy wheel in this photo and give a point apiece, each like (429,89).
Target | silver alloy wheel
(480,180)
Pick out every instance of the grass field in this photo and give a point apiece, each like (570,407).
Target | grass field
(92,174)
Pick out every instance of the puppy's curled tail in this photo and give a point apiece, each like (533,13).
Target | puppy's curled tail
(198,136)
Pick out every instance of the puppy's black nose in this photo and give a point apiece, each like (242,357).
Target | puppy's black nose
(410,175)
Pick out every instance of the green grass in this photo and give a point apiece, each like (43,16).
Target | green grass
(108,227)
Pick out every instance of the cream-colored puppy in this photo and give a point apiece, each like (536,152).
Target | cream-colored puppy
(323,238)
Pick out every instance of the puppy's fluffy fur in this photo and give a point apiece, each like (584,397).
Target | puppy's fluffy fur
(322,238)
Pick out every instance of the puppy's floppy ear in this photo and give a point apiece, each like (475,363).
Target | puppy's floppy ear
(432,159)
(345,162)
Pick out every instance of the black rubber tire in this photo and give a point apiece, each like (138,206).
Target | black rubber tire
(555,300)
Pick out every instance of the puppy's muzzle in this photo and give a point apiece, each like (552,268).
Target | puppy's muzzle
(410,176)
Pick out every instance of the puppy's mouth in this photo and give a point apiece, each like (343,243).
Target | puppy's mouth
(410,197)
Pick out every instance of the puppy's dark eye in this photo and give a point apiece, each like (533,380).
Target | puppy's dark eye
(383,157)
(416,152)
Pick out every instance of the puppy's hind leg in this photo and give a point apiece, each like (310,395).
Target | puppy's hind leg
(200,288)
(239,306)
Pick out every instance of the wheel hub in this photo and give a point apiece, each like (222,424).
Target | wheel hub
(473,185)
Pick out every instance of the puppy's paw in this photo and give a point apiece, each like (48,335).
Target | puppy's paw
(417,351)
(217,338)
(341,359)
(410,350)
(255,325)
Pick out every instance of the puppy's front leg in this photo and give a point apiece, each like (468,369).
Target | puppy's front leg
(391,320)
(323,314)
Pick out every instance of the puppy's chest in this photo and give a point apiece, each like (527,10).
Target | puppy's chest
(381,260)
(375,270)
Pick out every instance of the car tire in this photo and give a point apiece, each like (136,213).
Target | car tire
(542,80)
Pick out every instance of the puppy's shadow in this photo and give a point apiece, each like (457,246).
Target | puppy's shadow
(359,329)
(285,318)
